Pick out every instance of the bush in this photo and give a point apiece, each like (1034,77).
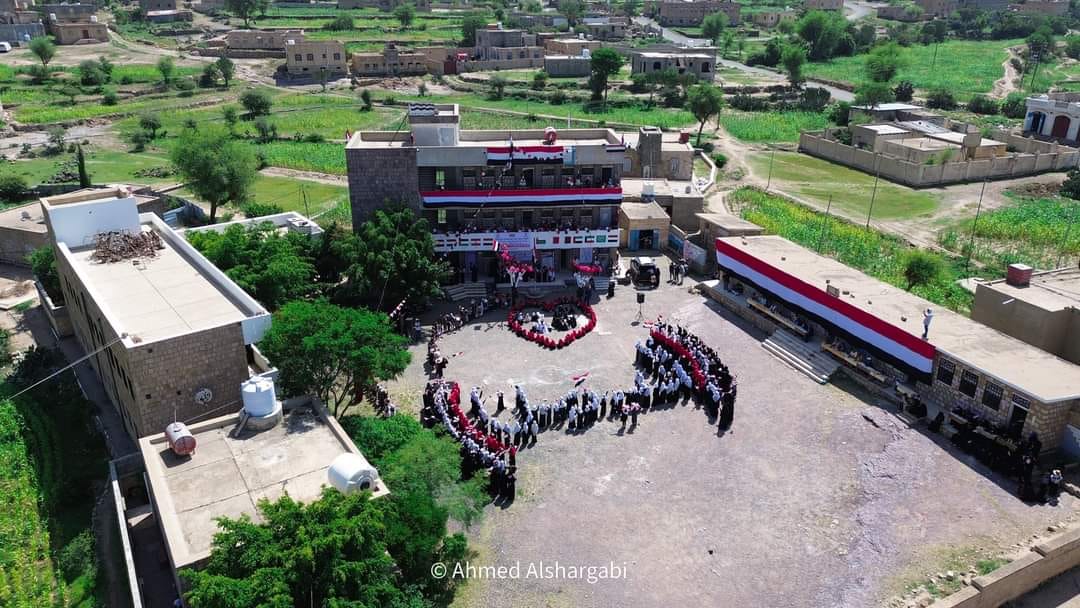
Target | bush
(185,84)
(43,263)
(1014,106)
(12,188)
(539,80)
(719,159)
(813,99)
(922,268)
(981,104)
(261,209)
(941,99)
(1072,47)
(91,74)
(341,23)
(839,113)
(77,558)
(109,97)
(557,97)
(748,103)
(904,90)
(257,103)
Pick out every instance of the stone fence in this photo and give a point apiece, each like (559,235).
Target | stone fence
(1032,157)
(1045,561)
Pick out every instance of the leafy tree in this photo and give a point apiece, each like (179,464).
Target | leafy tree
(884,62)
(91,74)
(257,103)
(572,10)
(539,81)
(333,352)
(794,58)
(12,187)
(231,117)
(981,104)
(43,263)
(934,32)
(139,139)
(1041,42)
(822,32)
(245,9)
(273,268)
(80,161)
(712,26)
(1072,47)
(150,123)
(1014,106)
(57,136)
(405,13)
(365,98)
(941,99)
(109,97)
(209,76)
(71,92)
(216,168)
(341,23)
(921,268)
(704,101)
(498,86)
(166,67)
(469,25)
(904,90)
(391,258)
(106,66)
(379,437)
(873,93)
(839,113)
(267,130)
(604,64)
(43,48)
(226,68)
(631,8)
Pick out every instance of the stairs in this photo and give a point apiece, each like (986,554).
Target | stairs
(806,357)
(465,291)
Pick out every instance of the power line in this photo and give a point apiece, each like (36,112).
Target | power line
(67,367)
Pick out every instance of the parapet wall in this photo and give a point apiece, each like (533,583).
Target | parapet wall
(1031,157)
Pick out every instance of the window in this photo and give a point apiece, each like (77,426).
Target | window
(299,57)
(1021,402)
(705,67)
(991,396)
(946,370)
(337,56)
(656,65)
(311,57)
(968,383)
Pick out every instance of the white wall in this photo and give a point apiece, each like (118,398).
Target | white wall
(76,224)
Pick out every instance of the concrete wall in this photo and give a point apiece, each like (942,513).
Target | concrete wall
(16,34)
(58,315)
(561,66)
(1057,332)
(1045,561)
(16,244)
(77,223)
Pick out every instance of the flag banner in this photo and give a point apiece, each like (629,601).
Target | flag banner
(539,196)
(529,154)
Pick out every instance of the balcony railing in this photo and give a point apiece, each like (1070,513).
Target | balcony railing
(527,240)
(505,197)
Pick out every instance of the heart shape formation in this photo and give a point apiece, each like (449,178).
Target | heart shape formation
(548,306)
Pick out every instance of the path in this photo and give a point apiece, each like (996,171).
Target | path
(857,9)
(311,176)
(1007,83)
(672,35)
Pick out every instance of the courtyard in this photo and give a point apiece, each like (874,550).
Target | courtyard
(815,497)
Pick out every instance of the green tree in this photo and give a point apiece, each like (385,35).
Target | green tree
(884,63)
(150,123)
(469,25)
(80,162)
(794,58)
(71,92)
(43,263)
(166,67)
(498,86)
(245,9)
(539,81)
(341,23)
(712,26)
(405,13)
(209,76)
(91,74)
(226,68)
(705,102)
(572,10)
(106,66)
(216,168)
(873,93)
(1041,42)
(231,117)
(333,352)
(1070,188)
(941,99)
(43,48)
(631,8)
(257,103)
(391,258)
(365,98)
(604,64)
(822,32)
(57,138)
(267,131)
(922,268)
(12,187)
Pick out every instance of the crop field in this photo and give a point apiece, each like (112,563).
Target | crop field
(817,180)
(875,253)
(62,111)
(320,157)
(965,67)
(771,126)
(104,166)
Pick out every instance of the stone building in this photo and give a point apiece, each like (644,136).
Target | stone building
(565,66)
(962,367)
(18,12)
(823,5)
(769,19)
(571,46)
(605,28)
(906,13)
(1054,8)
(315,58)
(1040,308)
(267,40)
(1055,116)
(699,64)
(79,33)
(170,336)
(515,48)
(68,13)
(692,12)
(392,61)
(938,8)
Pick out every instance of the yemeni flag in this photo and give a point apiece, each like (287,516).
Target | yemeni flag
(579,379)
(496,246)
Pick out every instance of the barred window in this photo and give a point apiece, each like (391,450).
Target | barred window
(968,383)
(1021,402)
(946,371)
(991,396)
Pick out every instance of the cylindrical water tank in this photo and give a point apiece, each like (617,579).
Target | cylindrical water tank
(351,473)
(258,395)
(180,439)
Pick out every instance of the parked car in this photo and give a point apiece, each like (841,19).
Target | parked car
(643,271)
(5,47)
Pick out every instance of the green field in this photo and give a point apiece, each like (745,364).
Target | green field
(285,192)
(62,111)
(875,253)
(816,180)
(965,67)
(771,126)
(104,166)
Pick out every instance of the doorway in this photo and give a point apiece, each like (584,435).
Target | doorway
(1061,126)
(1017,419)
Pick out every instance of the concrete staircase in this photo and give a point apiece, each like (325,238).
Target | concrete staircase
(465,291)
(806,357)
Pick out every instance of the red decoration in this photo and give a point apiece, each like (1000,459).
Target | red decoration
(696,375)
(546,341)
(587,268)
(510,264)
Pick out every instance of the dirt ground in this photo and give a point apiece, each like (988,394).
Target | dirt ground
(816,497)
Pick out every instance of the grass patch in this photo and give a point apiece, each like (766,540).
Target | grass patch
(322,157)
(965,67)
(771,126)
(161,103)
(877,254)
(104,166)
(285,193)
(816,180)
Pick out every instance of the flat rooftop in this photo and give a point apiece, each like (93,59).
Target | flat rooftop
(885,129)
(157,297)
(1050,290)
(484,139)
(28,217)
(227,476)
(664,55)
(958,138)
(925,143)
(1028,369)
(888,107)
(643,211)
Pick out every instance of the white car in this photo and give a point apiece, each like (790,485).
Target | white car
(5,47)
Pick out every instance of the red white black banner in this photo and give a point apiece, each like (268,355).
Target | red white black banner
(528,154)
(910,349)
(502,198)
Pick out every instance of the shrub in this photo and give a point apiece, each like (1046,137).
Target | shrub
(839,113)
(539,80)
(719,159)
(921,268)
(43,263)
(941,99)
(748,103)
(261,209)
(257,103)
(109,97)
(341,23)
(1072,47)
(813,99)
(12,188)
(981,104)
(904,90)
(557,97)
(77,558)
(91,74)
(185,84)
(1014,106)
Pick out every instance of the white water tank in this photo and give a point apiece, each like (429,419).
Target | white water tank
(648,189)
(350,473)
(259,398)
(180,439)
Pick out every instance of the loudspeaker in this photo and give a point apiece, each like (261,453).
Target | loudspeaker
(640,298)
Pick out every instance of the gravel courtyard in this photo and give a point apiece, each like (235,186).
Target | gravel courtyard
(815,497)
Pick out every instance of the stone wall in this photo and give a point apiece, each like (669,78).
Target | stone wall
(16,244)
(379,175)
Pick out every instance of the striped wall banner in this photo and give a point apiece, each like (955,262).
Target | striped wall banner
(530,154)
(497,198)
(896,342)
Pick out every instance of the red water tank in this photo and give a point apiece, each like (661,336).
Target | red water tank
(180,439)
(683,137)
(1018,275)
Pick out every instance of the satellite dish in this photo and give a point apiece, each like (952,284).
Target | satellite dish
(204,396)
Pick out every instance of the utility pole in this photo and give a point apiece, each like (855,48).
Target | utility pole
(1034,72)
(824,224)
(974,226)
(873,193)
(933,61)
(1068,229)
(303,194)
(772,154)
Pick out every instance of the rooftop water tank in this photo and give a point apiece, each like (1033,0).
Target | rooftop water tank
(351,473)
(181,441)
(258,395)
